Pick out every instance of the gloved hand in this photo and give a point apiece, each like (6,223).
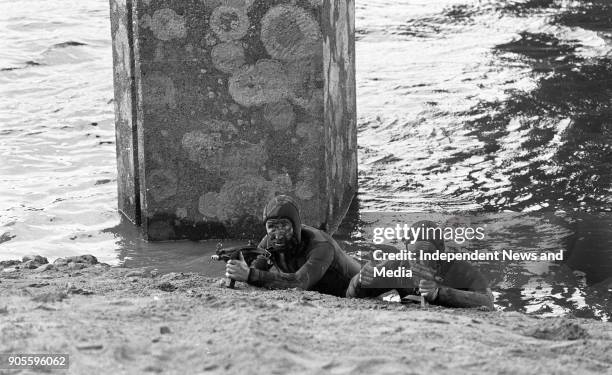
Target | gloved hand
(237,269)
(363,279)
(429,289)
(366,275)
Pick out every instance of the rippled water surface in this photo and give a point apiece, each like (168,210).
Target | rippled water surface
(486,107)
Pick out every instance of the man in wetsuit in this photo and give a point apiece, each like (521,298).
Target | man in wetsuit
(303,257)
(450,284)
(310,259)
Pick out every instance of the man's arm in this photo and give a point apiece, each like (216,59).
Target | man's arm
(464,286)
(318,261)
(464,298)
(261,263)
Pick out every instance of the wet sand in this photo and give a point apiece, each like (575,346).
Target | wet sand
(131,321)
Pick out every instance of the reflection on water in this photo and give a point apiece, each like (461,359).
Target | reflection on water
(580,284)
(58,173)
(169,256)
(464,105)
(497,106)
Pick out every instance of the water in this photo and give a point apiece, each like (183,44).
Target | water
(486,107)
(490,106)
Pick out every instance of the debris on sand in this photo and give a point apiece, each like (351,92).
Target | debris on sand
(82,259)
(9,263)
(558,329)
(154,369)
(74,290)
(135,273)
(45,307)
(50,297)
(44,267)
(90,347)
(37,285)
(166,287)
(32,262)
(6,237)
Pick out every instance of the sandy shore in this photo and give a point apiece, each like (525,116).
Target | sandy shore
(132,321)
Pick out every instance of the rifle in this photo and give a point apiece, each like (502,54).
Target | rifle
(250,252)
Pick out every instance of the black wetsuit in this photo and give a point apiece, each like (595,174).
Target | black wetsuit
(461,285)
(319,264)
(316,262)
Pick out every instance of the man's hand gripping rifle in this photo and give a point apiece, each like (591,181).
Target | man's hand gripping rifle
(250,252)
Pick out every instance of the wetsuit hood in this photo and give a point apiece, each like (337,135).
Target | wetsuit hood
(284,206)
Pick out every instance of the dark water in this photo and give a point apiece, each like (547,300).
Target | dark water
(499,109)
(579,285)
(495,105)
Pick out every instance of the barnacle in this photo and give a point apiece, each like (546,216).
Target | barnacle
(279,115)
(203,147)
(243,196)
(290,33)
(305,188)
(162,184)
(264,82)
(208,204)
(167,25)
(229,23)
(306,83)
(158,90)
(216,150)
(227,57)
(228,3)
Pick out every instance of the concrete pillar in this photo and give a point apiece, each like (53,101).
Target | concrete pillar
(125,110)
(340,121)
(231,103)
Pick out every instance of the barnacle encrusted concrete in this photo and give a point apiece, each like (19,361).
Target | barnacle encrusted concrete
(279,115)
(228,57)
(340,102)
(167,25)
(229,23)
(264,82)
(290,33)
(125,123)
(222,104)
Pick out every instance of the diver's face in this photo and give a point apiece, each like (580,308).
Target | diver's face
(280,232)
